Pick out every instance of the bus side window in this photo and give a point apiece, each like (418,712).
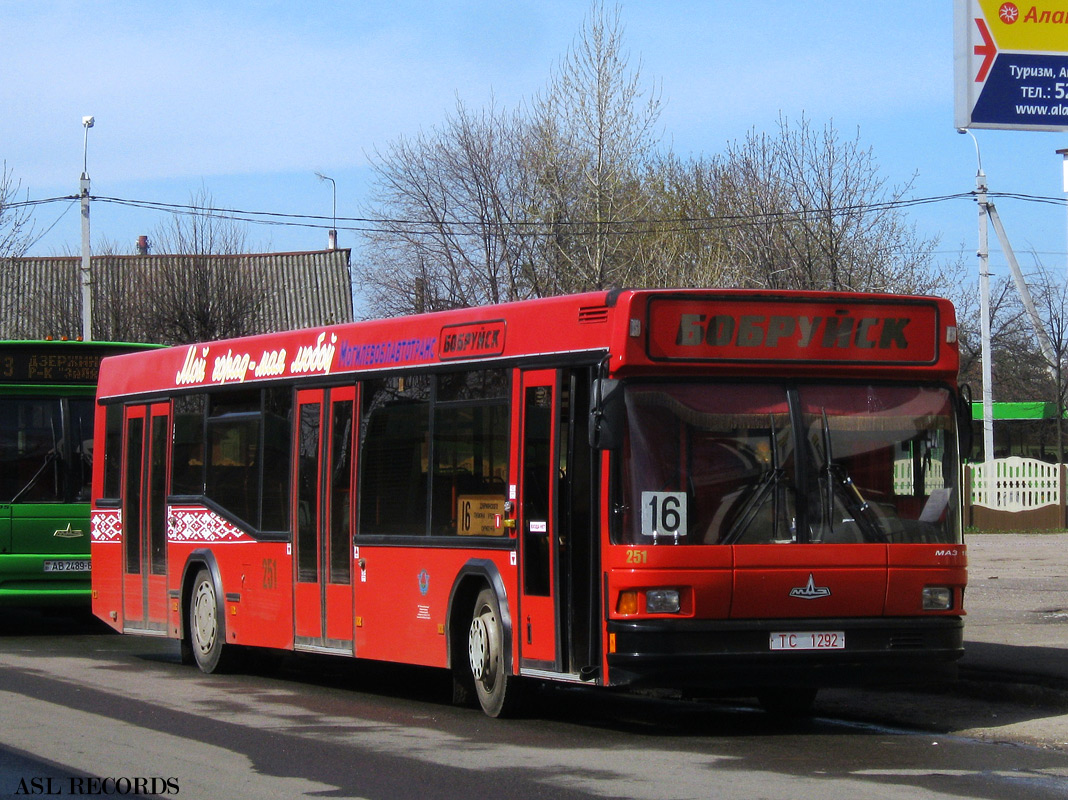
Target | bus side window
(187,450)
(470,453)
(394,451)
(112,451)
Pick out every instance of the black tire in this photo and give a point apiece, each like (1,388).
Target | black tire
(791,701)
(207,626)
(498,692)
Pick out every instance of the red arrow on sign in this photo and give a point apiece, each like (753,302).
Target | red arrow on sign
(987,50)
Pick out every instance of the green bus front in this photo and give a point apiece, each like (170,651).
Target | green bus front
(46,448)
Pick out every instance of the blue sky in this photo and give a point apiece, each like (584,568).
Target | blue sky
(247,100)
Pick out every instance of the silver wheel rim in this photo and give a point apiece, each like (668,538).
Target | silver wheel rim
(482,647)
(204,622)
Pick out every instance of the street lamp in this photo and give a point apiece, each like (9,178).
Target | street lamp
(86,275)
(333,230)
(984,303)
(87,123)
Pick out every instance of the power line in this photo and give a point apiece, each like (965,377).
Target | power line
(385,225)
(48,230)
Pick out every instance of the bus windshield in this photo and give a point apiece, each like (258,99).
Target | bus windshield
(758,463)
(45,449)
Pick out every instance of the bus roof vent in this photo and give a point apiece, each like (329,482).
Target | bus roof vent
(593,314)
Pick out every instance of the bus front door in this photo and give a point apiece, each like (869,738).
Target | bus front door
(323,469)
(536,623)
(146,440)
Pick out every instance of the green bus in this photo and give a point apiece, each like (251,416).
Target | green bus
(47,393)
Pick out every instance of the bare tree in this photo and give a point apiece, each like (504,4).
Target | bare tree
(594,131)
(16,234)
(1048,376)
(16,220)
(577,194)
(808,209)
(679,243)
(208,290)
(456,235)
(497,206)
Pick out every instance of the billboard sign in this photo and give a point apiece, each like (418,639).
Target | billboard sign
(1011,64)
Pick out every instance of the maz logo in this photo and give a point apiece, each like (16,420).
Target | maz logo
(810,591)
(68,533)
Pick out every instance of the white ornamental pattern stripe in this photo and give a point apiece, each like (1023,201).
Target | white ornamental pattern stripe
(107,525)
(201,525)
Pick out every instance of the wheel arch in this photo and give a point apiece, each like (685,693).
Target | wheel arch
(475,575)
(201,558)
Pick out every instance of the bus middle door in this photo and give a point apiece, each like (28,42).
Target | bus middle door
(323,590)
(536,625)
(144,517)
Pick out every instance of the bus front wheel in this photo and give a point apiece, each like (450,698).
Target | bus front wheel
(498,692)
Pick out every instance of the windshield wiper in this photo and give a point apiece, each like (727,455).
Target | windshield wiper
(836,475)
(769,481)
(50,458)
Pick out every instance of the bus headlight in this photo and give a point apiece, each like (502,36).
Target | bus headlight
(937,598)
(662,601)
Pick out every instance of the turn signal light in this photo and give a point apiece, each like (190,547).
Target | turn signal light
(627,603)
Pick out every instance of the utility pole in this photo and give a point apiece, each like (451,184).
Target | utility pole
(1064,167)
(984,303)
(86,270)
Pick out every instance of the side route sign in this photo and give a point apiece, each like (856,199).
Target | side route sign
(1011,64)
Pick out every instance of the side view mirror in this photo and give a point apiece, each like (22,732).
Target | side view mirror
(606,414)
(964,421)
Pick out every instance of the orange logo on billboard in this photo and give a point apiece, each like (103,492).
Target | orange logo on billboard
(1008,13)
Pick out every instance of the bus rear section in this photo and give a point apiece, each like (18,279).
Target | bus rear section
(786,516)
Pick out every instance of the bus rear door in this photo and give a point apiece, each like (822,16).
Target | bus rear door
(323,588)
(144,514)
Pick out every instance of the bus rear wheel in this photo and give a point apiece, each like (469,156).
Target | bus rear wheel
(497,691)
(207,627)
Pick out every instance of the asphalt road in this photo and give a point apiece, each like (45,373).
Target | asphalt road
(78,703)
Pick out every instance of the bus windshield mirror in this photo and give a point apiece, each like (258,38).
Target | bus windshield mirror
(606,414)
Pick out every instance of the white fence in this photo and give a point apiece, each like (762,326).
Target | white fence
(904,477)
(1015,484)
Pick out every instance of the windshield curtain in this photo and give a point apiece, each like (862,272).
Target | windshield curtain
(776,463)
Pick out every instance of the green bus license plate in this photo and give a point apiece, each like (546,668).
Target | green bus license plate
(808,640)
(78,565)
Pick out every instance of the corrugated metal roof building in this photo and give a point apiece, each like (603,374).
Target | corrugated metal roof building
(175,298)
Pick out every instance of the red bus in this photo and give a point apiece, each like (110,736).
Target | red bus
(712,490)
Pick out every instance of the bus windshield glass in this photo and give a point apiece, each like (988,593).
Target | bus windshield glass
(46,449)
(758,463)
